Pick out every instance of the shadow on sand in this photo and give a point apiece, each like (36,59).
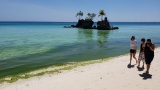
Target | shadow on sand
(130,66)
(146,76)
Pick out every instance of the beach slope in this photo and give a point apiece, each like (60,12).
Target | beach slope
(110,75)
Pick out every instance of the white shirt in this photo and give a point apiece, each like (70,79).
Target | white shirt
(133,45)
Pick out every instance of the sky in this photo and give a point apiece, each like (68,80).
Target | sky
(65,10)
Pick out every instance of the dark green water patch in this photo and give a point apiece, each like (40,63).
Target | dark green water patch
(58,56)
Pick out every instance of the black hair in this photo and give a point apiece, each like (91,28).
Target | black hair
(149,40)
(133,37)
(143,39)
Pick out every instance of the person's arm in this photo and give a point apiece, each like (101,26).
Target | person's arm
(152,47)
(135,44)
(140,50)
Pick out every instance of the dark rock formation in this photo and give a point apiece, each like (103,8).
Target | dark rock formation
(87,24)
(113,28)
(94,27)
(80,23)
(103,25)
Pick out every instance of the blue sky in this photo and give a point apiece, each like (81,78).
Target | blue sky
(65,10)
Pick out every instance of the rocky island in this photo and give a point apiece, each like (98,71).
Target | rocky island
(88,23)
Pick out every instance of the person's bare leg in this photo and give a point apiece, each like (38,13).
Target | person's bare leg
(134,54)
(148,67)
(138,63)
(130,58)
(143,65)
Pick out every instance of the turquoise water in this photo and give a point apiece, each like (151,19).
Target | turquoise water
(27,46)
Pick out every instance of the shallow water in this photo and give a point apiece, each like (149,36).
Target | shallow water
(32,45)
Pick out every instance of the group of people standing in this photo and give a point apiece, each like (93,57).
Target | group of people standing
(146,53)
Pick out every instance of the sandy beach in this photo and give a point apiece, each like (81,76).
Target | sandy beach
(110,75)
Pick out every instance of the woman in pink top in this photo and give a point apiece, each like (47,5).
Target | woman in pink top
(133,48)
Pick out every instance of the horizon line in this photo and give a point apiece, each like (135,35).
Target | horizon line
(77,21)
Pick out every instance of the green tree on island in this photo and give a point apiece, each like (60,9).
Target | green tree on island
(102,13)
(90,16)
(79,14)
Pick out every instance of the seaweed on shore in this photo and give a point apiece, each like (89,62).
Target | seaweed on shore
(49,70)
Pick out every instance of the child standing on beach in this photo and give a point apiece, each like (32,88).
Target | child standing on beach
(141,53)
(133,48)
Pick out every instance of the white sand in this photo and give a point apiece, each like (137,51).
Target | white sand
(110,75)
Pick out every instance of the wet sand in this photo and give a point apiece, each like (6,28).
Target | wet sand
(110,75)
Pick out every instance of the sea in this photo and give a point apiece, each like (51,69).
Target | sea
(28,46)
